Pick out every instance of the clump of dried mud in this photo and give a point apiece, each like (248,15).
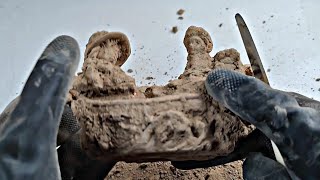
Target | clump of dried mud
(179,121)
(165,171)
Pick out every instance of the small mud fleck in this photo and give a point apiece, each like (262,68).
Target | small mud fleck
(180,11)
(129,70)
(268,70)
(263,22)
(180,18)
(318,79)
(220,25)
(149,78)
(174,29)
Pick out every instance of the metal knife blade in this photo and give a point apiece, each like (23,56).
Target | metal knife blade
(251,49)
(257,67)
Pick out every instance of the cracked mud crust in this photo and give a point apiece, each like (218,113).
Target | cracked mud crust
(178,121)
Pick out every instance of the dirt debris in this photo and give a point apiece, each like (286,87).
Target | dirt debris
(174,29)
(165,171)
(180,12)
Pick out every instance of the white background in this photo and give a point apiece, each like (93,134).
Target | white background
(287,35)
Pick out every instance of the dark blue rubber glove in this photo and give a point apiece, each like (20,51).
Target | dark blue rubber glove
(28,134)
(295,129)
(73,161)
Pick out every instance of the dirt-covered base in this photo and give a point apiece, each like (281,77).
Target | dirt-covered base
(164,170)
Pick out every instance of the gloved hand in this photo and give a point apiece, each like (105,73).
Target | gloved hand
(73,162)
(281,116)
(29,130)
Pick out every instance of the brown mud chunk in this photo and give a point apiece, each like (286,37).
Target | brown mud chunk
(180,12)
(129,71)
(248,70)
(174,29)
(164,170)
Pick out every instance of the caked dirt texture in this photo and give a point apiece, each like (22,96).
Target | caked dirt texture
(165,171)
(179,121)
